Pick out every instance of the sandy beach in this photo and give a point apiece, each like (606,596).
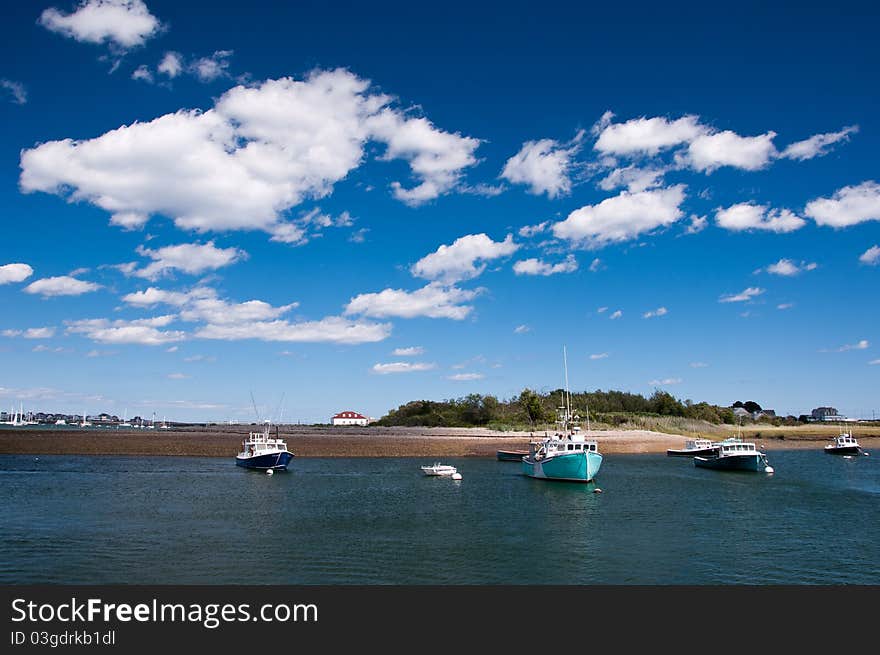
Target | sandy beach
(224,441)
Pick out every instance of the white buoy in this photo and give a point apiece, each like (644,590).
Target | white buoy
(769,469)
(456,476)
(269,472)
(597,490)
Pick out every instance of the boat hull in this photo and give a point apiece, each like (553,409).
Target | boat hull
(570,467)
(510,455)
(756,463)
(273,461)
(843,450)
(701,452)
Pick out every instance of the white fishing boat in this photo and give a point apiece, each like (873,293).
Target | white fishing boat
(735,455)
(694,448)
(844,444)
(438,469)
(262,452)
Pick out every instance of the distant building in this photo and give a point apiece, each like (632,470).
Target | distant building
(740,412)
(349,418)
(826,414)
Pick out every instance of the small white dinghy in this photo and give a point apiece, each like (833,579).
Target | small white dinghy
(438,469)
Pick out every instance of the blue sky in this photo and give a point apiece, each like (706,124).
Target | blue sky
(355,206)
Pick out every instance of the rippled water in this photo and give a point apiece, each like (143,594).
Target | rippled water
(376,521)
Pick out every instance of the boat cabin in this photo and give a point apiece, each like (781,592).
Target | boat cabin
(846,440)
(260,443)
(731,448)
(698,444)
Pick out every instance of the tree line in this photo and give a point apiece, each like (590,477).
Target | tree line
(534,408)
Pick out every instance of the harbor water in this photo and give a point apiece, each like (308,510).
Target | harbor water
(658,520)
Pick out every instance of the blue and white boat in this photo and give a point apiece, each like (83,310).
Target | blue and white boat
(735,455)
(567,455)
(262,452)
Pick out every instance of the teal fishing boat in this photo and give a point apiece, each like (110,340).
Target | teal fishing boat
(566,455)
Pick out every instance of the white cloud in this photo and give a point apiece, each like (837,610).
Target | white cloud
(126,23)
(177,376)
(622,217)
(863,344)
(615,315)
(544,166)
(63,285)
(16,90)
(698,365)
(787,268)
(431,301)
(331,329)
(465,377)
(871,256)
(848,206)
(748,216)
(457,262)
(874,362)
(39,333)
(601,310)
(742,296)
(711,151)
(528,231)
(155,296)
(412,351)
(633,178)
(208,69)
(191,258)
(142,73)
(171,64)
(522,329)
(647,135)
(698,224)
(535,266)
(665,382)
(15,273)
(596,265)
(141,331)
(817,145)
(402,367)
(242,164)
(599,356)
(660,311)
(785,305)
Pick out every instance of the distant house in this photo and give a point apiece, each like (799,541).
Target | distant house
(740,412)
(826,414)
(349,418)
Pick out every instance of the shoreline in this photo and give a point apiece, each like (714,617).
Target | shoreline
(224,441)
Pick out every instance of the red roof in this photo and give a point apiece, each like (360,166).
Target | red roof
(349,415)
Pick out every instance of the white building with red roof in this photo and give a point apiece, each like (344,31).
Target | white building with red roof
(349,418)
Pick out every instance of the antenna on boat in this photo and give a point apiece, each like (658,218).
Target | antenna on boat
(256,411)
(567,402)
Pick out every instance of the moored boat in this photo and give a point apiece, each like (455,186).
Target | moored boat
(694,448)
(735,455)
(567,455)
(844,444)
(438,469)
(262,452)
(511,455)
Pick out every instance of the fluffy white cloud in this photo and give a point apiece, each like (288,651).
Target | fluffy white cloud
(528,231)
(431,301)
(39,333)
(15,273)
(412,351)
(596,265)
(871,256)
(863,344)
(785,305)
(201,304)
(241,165)
(155,296)
(535,266)
(63,285)
(142,73)
(749,216)
(435,157)
(633,178)
(331,329)
(126,23)
(647,135)
(660,311)
(16,90)
(465,377)
(191,258)
(208,69)
(544,166)
(848,206)
(788,268)
(599,356)
(711,151)
(456,262)
(665,382)
(698,224)
(171,64)
(522,329)
(817,145)
(141,331)
(742,296)
(615,315)
(622,217)
(402,367)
